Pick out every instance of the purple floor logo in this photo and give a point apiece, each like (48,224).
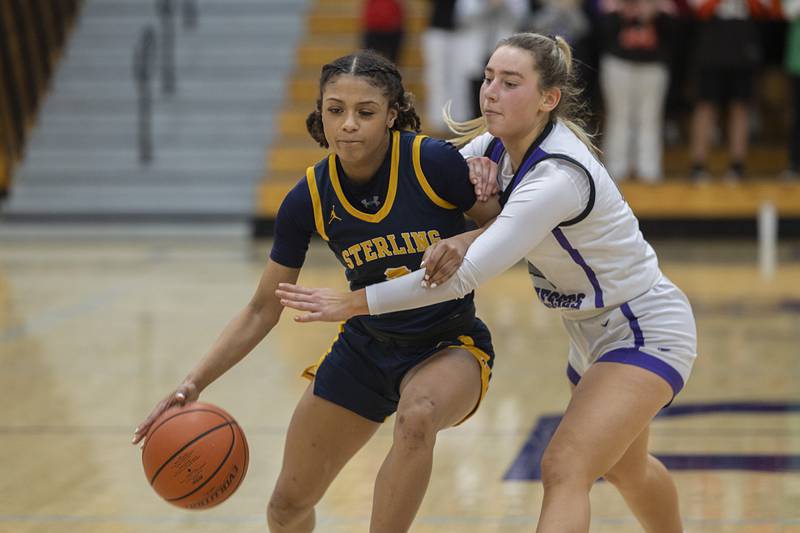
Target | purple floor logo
(526,466)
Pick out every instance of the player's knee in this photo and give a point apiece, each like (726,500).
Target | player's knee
(561,464)
(415,427)
(285,510)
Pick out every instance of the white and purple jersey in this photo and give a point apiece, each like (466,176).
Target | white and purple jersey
(594,257)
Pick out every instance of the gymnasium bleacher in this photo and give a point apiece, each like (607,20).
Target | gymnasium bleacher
(233,141)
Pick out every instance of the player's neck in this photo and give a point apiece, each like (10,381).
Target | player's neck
(363,170)
(518,146)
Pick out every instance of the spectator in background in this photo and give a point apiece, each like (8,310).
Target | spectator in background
(634,78)
(727,55)
(442,76)
(576,22)
(791,9)
(481,24)
(382,21)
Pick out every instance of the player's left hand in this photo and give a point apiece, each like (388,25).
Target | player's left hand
(322,304)
(442,259)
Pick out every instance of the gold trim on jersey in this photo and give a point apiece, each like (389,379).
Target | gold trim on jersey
(316,203)
(423,181)
(311,372)
(483,359)
(390,195)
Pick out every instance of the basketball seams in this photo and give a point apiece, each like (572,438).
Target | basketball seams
(179,413)
(214,473)
(246,459)
(197,438)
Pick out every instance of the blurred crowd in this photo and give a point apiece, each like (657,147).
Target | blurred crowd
(654,72)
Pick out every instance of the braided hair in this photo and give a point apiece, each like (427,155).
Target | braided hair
(379,72)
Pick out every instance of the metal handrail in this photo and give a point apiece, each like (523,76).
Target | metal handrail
(166,14)
(144,58)
(143,64)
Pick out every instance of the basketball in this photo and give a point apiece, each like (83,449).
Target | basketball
(195,456)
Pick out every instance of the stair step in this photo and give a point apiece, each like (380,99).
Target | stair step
(122,199)
(29,180)
(222,88)
(206,8)
(126,160)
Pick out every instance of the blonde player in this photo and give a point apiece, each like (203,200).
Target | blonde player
(632,332)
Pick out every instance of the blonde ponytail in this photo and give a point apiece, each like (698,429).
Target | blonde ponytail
(465,131)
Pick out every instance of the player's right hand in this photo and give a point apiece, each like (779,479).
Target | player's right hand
(483,175)
(442,259)
(186,392)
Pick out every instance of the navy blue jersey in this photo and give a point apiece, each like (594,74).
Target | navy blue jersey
(380,230)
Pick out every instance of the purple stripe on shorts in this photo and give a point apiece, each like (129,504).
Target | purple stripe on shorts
(638,336)
(576,256)
(635,357)
(573,375)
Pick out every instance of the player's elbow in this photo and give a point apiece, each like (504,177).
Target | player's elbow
(265,314)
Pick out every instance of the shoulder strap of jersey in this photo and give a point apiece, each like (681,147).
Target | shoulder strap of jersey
(495,150)
(316,202)
(423,181)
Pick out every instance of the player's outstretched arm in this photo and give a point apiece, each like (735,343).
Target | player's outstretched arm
(239,337)
(322,304)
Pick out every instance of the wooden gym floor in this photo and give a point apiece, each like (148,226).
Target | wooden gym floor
(93,333)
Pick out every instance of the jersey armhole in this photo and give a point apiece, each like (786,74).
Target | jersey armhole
(423,181)
(592,193)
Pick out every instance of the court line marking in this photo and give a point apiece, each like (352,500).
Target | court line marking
(333,520)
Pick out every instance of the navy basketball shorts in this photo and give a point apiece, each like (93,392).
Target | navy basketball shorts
(363,374)
(655,331)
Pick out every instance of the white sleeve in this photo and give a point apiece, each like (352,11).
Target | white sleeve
(477,146)
(552,193)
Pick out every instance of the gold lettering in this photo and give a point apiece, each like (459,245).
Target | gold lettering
(382,247)
(434,236)
(369,255)
(354,253)
(409,244)
(347,260)
(421,240)
(395,249)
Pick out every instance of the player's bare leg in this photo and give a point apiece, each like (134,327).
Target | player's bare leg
(433,396)
(322,437)
(610,408)
(647,487)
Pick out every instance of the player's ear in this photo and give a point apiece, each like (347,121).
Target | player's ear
(391,117)
(550,99)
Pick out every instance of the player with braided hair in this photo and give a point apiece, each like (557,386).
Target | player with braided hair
(380,199)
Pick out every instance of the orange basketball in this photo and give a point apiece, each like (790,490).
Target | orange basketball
(195,456)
